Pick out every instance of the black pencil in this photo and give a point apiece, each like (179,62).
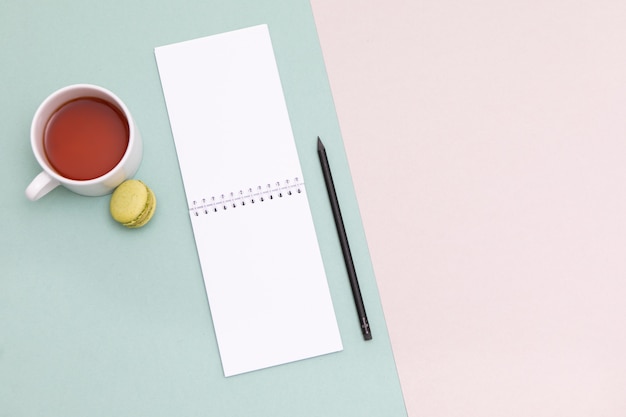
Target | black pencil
(343,239)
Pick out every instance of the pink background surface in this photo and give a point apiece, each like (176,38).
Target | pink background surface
(487,143)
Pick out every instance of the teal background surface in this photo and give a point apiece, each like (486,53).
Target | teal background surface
(100,320)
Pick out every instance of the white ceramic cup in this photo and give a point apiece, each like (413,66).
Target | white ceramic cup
(49,179)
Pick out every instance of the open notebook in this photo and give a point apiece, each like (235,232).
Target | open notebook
(247,200)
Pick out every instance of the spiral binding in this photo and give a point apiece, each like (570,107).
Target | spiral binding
(247,197)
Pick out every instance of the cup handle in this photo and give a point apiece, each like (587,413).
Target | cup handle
(40,186)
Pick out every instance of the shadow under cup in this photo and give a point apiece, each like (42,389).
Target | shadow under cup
(85,139)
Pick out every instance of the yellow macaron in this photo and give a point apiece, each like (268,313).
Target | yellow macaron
(132,204)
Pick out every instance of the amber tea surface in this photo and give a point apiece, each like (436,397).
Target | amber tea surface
(86,138)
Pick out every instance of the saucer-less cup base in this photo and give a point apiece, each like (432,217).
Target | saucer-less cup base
(49,179)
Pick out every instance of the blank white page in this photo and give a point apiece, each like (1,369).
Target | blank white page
(247,200)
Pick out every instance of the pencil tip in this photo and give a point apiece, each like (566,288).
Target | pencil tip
(320,145)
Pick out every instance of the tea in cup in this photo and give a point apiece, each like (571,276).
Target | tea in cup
(85,139)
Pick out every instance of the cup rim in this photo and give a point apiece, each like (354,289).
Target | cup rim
(35,139)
